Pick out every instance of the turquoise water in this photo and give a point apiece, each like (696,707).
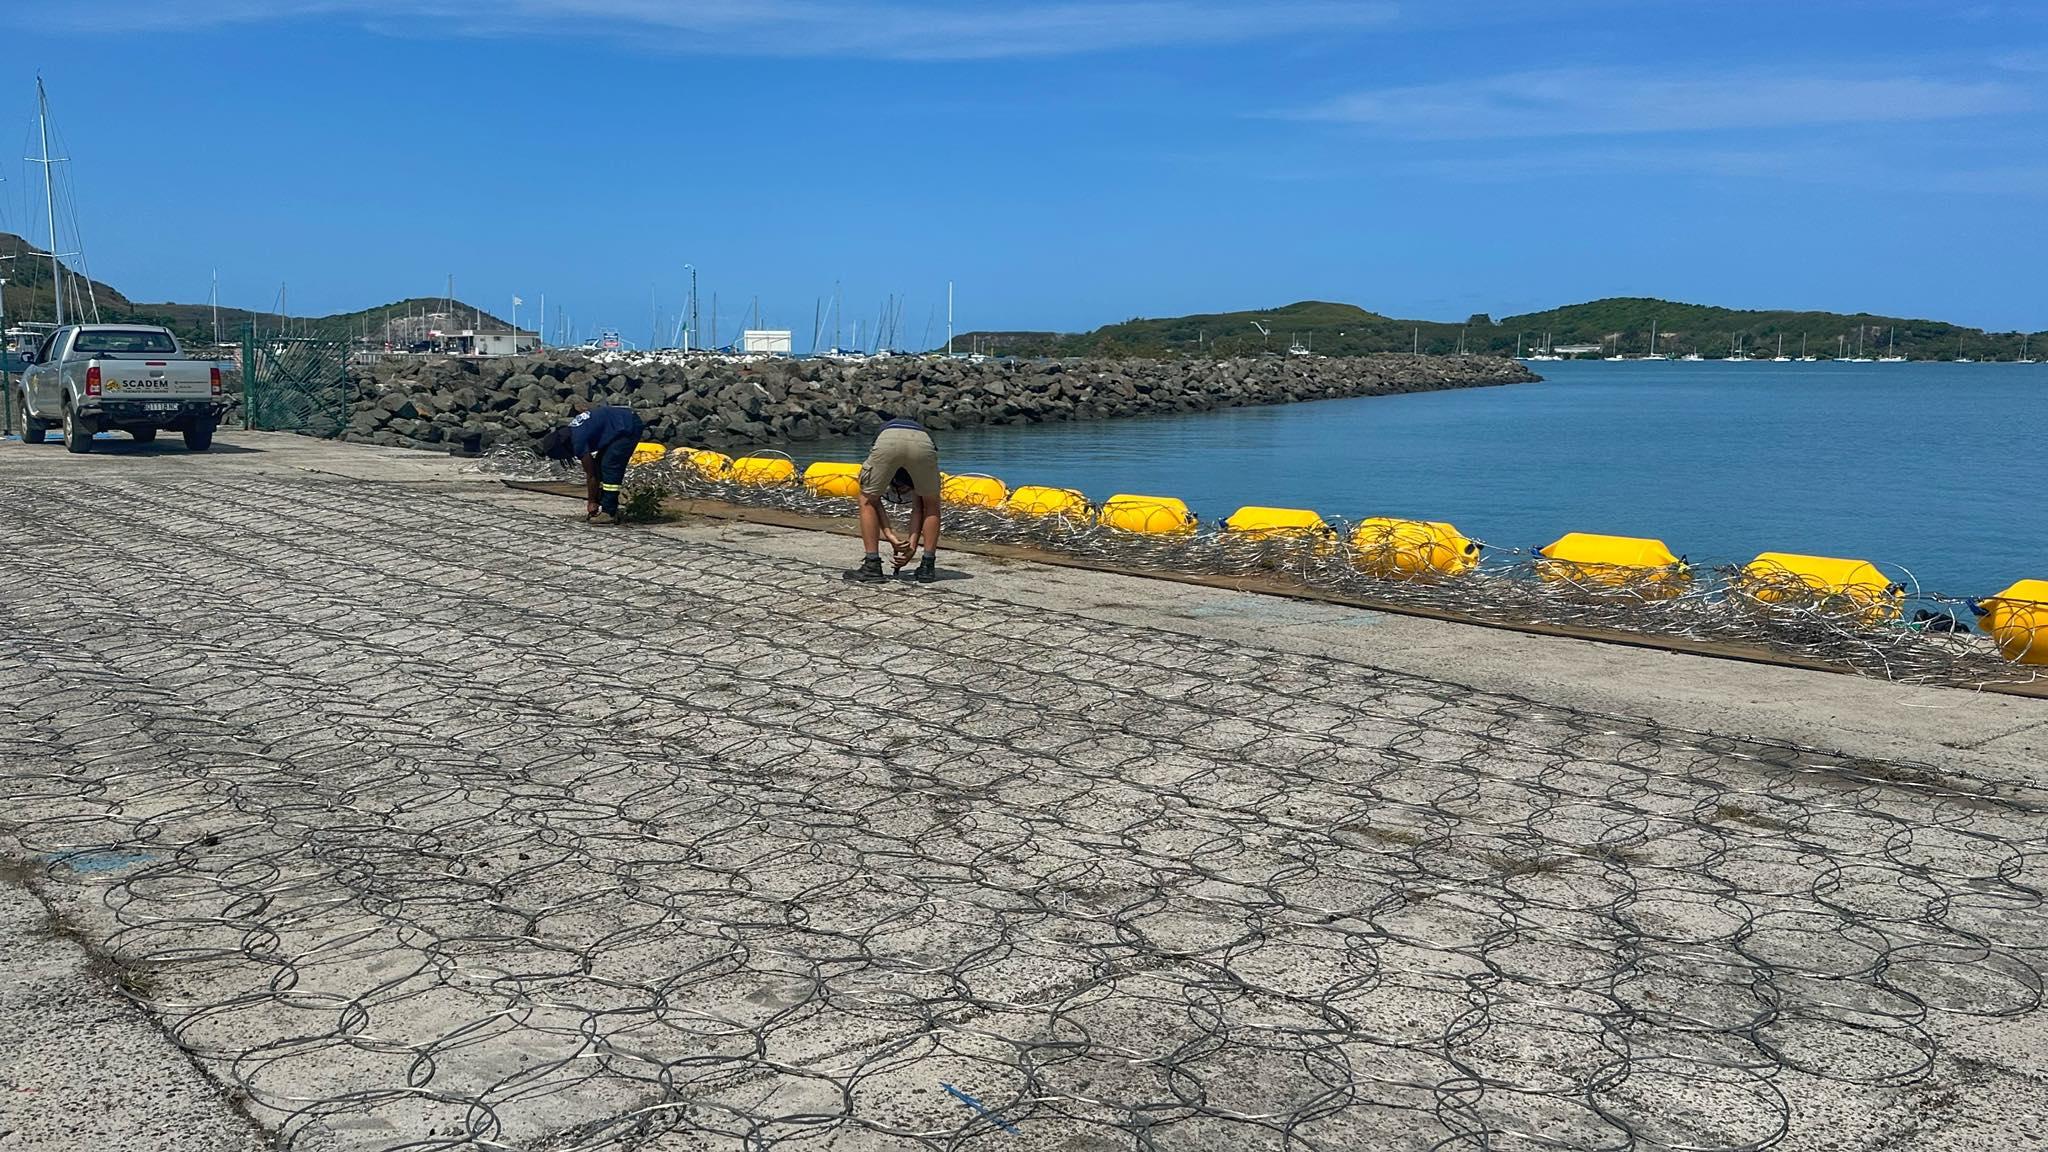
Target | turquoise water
(1938,468)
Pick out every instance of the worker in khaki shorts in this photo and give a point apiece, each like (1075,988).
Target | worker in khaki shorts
(902,460)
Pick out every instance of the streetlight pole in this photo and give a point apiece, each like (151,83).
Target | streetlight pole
(515,325)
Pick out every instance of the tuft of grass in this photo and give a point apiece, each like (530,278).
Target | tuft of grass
(1740,815)
(644,506)
(1613,853)
(1392,835)
(1510,867)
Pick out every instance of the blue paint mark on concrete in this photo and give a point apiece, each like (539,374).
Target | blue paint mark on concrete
(108,861)
(979,1108)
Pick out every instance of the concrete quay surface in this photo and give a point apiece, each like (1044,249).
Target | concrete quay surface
(350,801)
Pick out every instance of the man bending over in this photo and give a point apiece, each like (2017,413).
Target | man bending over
(603,438)
(902,460)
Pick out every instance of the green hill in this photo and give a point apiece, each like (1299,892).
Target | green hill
(1681,328)
(1622,324)
(28,296)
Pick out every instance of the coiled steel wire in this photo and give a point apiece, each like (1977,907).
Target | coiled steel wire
(432,825)
(426,823)
(1509,587)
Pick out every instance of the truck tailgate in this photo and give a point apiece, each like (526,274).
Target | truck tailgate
(155,379)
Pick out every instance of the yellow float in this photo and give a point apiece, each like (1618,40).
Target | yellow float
(708,464)
(1257,523)
(1411,549)
(833,478)
(1854,587)
(1146,515)
(647,453)
(1038,501)
(1633,564)
(971,490)
(2017,620)
(764,471)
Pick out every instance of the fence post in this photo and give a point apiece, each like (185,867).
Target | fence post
(249,376)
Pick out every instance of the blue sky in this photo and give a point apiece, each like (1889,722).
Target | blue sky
(1068,164)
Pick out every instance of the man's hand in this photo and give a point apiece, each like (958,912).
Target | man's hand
(590,510)
(905,551)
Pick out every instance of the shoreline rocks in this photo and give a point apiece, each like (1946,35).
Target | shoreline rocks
(446,402)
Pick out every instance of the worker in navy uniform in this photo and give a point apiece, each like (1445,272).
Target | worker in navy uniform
(603,439)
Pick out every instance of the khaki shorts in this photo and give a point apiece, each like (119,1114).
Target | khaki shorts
(907,449)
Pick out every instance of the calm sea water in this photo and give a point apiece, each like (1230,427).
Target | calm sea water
(1939,468)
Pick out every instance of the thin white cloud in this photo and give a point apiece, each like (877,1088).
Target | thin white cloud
(2029,61)
(1613,102)
(883,29)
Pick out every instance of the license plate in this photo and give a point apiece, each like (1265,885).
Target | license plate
(161,406)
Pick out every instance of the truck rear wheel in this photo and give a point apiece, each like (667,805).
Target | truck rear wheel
(77,432)
(199,435)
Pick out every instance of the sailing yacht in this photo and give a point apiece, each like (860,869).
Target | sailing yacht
(1735,353)
(1892,356)
(1962,356)
(1693,355)
(1546,354)
(1781,358)
(1841,350)
(1654,354)
(1803,357)
(2024,358)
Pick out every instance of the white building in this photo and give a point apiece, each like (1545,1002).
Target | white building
(765,342)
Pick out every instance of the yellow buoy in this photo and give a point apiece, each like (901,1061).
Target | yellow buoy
(1851,586)
(2017,620)
(833,478)
(764,471)
(1411,549)
(1633,564)
(973,491)
(647,453)
(708,464)
(1148,515)
(1037,500)
(1256,523)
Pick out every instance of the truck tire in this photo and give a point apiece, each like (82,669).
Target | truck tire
(34,431)
(199,435)
(143,435)
(77,435)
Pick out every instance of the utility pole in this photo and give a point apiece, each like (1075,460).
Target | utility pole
(949,319)
(540,330)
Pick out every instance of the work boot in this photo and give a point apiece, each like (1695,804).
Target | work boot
(869,572)
(926,571)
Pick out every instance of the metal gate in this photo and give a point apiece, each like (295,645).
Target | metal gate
(295,385)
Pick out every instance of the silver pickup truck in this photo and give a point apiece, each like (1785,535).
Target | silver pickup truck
(88,378)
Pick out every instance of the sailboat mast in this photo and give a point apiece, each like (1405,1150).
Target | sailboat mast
(50,198)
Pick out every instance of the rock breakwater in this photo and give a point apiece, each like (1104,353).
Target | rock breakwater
(723,403)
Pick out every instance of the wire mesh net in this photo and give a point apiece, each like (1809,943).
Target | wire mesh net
(430,824)
(1911,635)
